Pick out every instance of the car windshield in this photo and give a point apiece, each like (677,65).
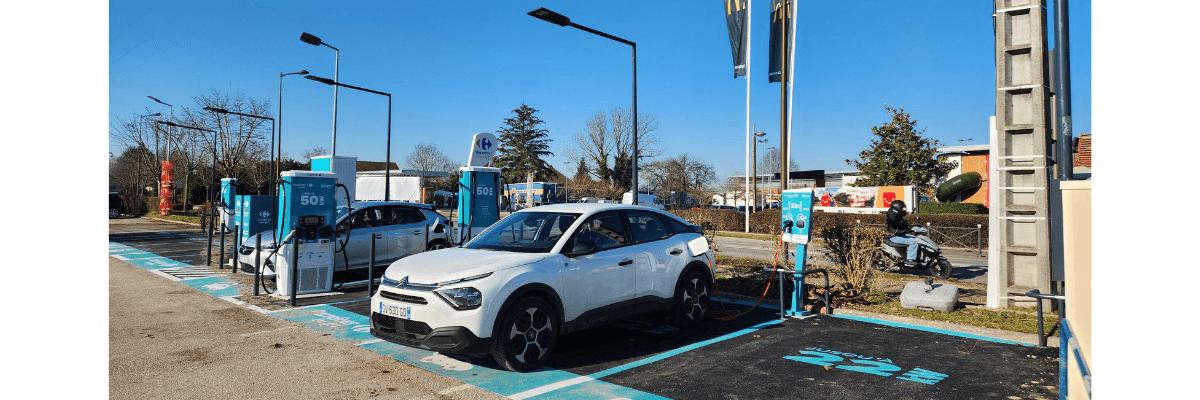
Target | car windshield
(525,232)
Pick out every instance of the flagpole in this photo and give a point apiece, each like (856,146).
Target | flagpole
(791,75)
(749,135)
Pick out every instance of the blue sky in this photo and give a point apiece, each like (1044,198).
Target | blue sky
(458,68)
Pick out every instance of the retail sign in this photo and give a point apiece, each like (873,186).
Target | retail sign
(483,148)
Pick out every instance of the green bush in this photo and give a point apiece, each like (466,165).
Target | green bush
(953,208)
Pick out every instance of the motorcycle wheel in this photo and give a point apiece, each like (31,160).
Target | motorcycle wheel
(881,261)
(941,268)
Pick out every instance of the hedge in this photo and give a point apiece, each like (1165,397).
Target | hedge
(953,208)
(767,221)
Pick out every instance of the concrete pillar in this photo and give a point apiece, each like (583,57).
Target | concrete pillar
(1023,157)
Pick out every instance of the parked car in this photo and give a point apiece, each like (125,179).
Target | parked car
(115,208)
(541,273)
(403,229)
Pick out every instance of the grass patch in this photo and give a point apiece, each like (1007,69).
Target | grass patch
(1009,320)
(175,216)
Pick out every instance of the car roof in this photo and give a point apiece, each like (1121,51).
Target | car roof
(365,204)
(585,208)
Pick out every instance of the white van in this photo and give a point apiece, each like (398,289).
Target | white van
(644,199)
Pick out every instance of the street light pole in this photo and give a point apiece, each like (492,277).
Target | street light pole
(387,165)
(562,20)
(316,41)
(279,145)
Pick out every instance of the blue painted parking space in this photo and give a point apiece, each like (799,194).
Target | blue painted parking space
(755,356)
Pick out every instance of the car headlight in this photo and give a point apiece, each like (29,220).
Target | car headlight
(463,298)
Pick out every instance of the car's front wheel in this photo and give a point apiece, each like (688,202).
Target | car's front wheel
(113,213)
(526,335)
(691,299)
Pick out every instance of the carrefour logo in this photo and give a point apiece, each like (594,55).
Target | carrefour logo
(484,144)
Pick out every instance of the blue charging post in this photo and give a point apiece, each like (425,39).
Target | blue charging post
(307,206)
(796,213)
(478,200)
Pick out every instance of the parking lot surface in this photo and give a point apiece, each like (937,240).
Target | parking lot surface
(756,356)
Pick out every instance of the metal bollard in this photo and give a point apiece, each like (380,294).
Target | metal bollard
(371,268)
(257,262)
(292,266)
(221,260)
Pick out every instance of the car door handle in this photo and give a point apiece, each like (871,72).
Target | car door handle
(378,236)
(676,252)
(626,262)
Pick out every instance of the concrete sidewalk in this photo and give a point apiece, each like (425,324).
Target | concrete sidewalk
(168,340)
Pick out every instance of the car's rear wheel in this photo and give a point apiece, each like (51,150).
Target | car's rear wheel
(691,299)
(436,245)
(526,335)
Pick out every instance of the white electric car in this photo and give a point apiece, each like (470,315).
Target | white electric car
(544,272)
(400,229)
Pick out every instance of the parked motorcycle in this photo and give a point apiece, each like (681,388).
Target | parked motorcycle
(929,255)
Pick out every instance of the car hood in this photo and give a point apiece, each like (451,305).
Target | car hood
(452,264)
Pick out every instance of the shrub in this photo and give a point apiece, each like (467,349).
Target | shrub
(953,208)
(853,249)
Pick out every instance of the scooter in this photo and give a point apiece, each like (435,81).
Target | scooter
(929,255)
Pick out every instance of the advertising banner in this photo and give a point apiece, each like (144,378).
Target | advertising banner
(781,13)
(863,199)
(735,18)
(165,192)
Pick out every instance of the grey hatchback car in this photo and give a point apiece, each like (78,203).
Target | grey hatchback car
(399,229)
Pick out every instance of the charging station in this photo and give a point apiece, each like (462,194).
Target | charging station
(796,214)
(253,215)
(226,203)
(306,204)
(478,200)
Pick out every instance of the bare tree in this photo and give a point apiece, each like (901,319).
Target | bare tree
(607,146)
(682,174)
(235,133)
(428,157)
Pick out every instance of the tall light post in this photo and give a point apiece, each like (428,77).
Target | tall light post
(168,141)
(138,177)
(316,41)
(387,165)
(562,20)
(279,145)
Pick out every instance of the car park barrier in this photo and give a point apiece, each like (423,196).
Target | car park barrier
(1037,294)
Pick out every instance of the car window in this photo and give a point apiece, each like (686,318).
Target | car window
(526,232)
(366,218)
(405,215)
(604,230)
(677,227)
(645,226)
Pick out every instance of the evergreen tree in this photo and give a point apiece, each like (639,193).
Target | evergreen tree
(522,146)
(582,173)
(899,155)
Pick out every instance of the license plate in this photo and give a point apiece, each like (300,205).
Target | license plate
(393,310)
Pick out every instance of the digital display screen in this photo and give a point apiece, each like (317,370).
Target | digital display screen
(309,220)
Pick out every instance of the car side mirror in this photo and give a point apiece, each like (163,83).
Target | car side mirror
(581,249)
